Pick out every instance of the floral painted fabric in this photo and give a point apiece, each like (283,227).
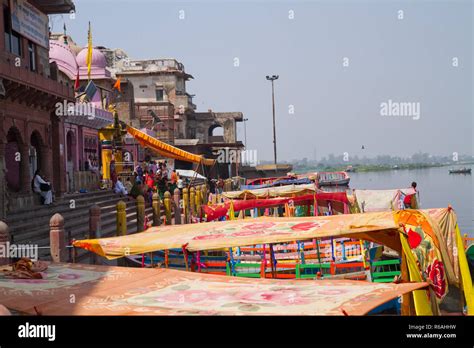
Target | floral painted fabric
(105,290)
(425,246)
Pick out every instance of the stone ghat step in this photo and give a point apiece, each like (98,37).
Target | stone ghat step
(109,230)
(70,217)
(72,225)
(84,255)
(65,200)
(38,226)
(108,226)
(62,206)
(105,206)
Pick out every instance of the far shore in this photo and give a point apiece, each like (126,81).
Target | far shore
(378,168)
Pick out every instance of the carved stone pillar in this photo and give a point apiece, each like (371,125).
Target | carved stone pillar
(58,156)
(46,164)
(57,238)
(4,240)
(25,177)
(2,181)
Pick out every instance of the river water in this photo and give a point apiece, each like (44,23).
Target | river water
(437,189)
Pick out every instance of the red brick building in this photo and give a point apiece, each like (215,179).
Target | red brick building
(31,135)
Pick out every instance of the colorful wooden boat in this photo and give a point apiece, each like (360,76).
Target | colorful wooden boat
(470,257)
(107,290)
(394,229)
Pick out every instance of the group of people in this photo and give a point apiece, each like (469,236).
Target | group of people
(216,185)
(149,178)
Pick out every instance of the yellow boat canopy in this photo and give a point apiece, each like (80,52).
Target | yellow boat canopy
(167,150)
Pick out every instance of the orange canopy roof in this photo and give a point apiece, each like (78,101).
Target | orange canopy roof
(167,150)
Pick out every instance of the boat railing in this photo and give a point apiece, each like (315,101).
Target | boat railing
(467,241)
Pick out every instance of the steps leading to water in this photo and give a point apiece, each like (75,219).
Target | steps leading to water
(32,226)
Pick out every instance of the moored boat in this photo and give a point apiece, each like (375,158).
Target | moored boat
(275,248)
(470,257)
(460,171)
(333,179)
(350,169)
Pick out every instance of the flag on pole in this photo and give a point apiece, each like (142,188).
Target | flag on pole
(117,85)
(76,84)
(65,34)
(89,52)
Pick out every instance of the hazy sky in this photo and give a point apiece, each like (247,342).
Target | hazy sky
(337,108)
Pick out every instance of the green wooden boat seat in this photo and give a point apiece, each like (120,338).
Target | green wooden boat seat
(384,271)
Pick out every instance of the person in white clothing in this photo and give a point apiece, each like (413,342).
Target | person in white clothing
(43,187)
(90,166)
(120,188)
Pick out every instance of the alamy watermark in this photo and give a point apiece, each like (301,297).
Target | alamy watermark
(14,251)
(28,330)
(75,109)
(404,109)
(227,155)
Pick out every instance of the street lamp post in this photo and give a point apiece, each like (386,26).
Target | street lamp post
(245,132)
(272,79)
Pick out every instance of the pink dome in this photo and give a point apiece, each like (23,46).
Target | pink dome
(98,59)
(62,55)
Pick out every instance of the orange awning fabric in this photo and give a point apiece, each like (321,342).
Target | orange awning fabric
(167,150)
(109,290)
(377,227)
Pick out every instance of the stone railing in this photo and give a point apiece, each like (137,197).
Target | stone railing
(86,180)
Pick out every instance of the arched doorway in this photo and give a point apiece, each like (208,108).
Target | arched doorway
(70,159)
(13,160)
(35,155)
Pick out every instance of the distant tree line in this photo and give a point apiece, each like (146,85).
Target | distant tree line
(422,159)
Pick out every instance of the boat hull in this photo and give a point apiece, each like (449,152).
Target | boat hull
(340,182)
(468,171)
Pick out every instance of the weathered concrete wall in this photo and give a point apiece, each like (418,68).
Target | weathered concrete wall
(203,124)
(145,87)
(125,104)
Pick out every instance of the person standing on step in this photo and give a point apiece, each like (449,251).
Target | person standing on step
(173,181)
(180,184)
(162,184)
